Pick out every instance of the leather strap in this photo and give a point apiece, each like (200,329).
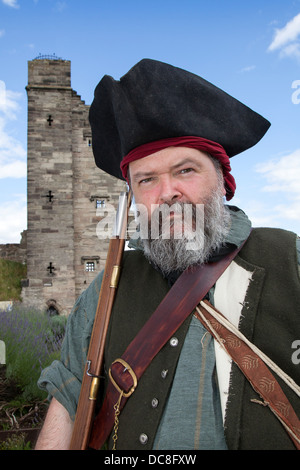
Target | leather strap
(181,300)
(254,368)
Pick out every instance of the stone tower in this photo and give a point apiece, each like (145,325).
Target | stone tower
(65,187)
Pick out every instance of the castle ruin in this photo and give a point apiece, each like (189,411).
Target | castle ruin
(65,188)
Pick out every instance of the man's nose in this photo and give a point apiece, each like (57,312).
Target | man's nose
(169,190)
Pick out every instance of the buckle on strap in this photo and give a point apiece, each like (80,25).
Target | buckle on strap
(131,372)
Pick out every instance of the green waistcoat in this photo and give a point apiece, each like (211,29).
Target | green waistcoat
(270,318)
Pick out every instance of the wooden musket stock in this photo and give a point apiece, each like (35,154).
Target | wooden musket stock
(91,377)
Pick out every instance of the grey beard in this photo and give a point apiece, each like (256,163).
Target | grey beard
(174,254)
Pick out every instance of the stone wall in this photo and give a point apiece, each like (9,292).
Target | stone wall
(91,186)
(15,251)
(63,187)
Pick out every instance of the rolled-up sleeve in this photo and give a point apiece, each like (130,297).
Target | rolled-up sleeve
(62,379)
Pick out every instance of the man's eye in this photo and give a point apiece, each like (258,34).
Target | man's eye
(186,170)
(145,180)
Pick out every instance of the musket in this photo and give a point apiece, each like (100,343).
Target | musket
(93,368)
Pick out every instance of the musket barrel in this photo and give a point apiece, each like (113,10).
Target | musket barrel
(121,213)
(90,381)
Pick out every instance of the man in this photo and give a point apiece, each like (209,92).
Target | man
(170,134)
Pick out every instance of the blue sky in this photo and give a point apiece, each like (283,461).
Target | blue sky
(249,49)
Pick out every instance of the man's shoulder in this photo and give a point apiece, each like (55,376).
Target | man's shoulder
(298,248)
(274,235)
(274,242)
(134,256)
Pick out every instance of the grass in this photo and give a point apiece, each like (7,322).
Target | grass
(11,274)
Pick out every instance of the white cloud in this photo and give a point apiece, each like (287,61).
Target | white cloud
(258,213)
(60,6)
(8,101)
(265,213)
(2,32)
(286,39)
(13,216)
(282,179)
(11,3)
(248,69)
(288,33)
(289,211)
(16,169)
(12,153)
(282,174)
(292,50)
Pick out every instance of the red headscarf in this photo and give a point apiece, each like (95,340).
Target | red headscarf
(214,149)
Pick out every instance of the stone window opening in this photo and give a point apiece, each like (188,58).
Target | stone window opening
(100,203)
(90,266)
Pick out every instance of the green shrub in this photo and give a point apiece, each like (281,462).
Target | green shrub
(16,442)
(11,274)
(33,340)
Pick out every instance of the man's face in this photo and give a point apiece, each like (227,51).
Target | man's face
(175,174)
(171,181)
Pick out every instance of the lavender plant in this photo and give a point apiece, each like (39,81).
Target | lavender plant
(33,340)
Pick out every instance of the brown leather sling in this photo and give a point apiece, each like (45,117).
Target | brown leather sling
(124,373)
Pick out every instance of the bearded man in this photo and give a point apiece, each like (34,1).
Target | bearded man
(170,135)
(183,238)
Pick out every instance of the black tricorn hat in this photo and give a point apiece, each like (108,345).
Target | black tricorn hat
(154,101)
